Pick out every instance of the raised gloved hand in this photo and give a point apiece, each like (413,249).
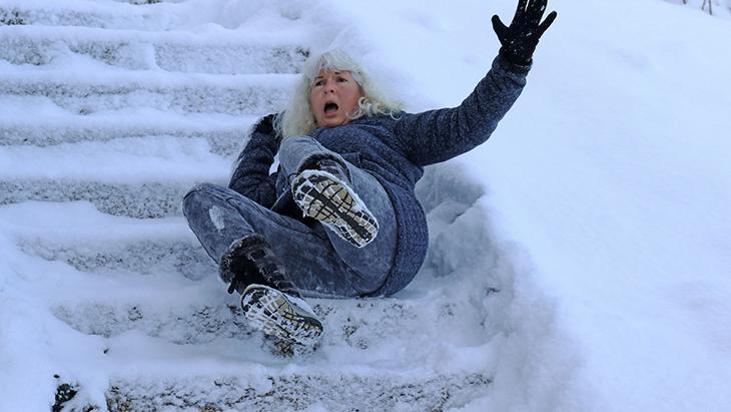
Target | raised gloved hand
(519,40)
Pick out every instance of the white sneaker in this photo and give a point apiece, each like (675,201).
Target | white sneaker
(281,315)
(324,197)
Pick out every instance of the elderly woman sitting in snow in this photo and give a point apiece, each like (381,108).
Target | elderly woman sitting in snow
(339,218)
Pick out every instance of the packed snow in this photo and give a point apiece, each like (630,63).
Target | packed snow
(579,260)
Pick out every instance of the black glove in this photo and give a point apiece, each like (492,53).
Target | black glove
(519,40)
(265,125)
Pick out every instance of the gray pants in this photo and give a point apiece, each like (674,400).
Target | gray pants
(318,262)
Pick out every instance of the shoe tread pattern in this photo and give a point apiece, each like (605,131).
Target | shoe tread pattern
(325,198)
(270,311)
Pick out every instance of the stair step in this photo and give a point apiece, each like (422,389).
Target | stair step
(201,312)
(183,311)
(19,125)
(146,50)
(90,14)
(163,16)
(338,391)
(144,200)
(163,305)
(176,92)
(145,247)
(129,160)
(175,318)
(138,177)
(147,373)
(144,255)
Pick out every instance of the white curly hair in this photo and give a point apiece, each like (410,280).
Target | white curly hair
(297,119)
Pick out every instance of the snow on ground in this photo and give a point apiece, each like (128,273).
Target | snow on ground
(592,237)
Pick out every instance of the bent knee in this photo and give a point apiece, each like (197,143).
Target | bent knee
(293,142)
(201,189)
(200,193)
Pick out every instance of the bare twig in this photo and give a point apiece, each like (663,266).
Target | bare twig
(710,6)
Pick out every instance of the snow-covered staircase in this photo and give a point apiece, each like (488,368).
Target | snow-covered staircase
(109,112)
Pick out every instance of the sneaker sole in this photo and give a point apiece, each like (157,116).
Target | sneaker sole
(325,198)
(268,310)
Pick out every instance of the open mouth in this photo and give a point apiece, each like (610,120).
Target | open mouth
(330,108)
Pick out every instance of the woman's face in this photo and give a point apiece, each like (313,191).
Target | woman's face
(334,95)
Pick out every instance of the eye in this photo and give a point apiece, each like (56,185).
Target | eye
(319,82)
(342,79)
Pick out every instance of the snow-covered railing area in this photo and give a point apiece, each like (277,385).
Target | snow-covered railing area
(720,8)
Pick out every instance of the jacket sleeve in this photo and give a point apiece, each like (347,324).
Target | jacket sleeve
(438,135)
(251,170)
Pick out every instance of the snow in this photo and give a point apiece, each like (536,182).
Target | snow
(579,260)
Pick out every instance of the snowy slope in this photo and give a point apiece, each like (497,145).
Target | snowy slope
(623,201)
(578,260)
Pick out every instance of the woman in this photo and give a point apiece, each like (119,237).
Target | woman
(339,218)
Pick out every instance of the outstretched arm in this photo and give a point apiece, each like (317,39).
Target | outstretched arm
(251,172)
(438,135)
